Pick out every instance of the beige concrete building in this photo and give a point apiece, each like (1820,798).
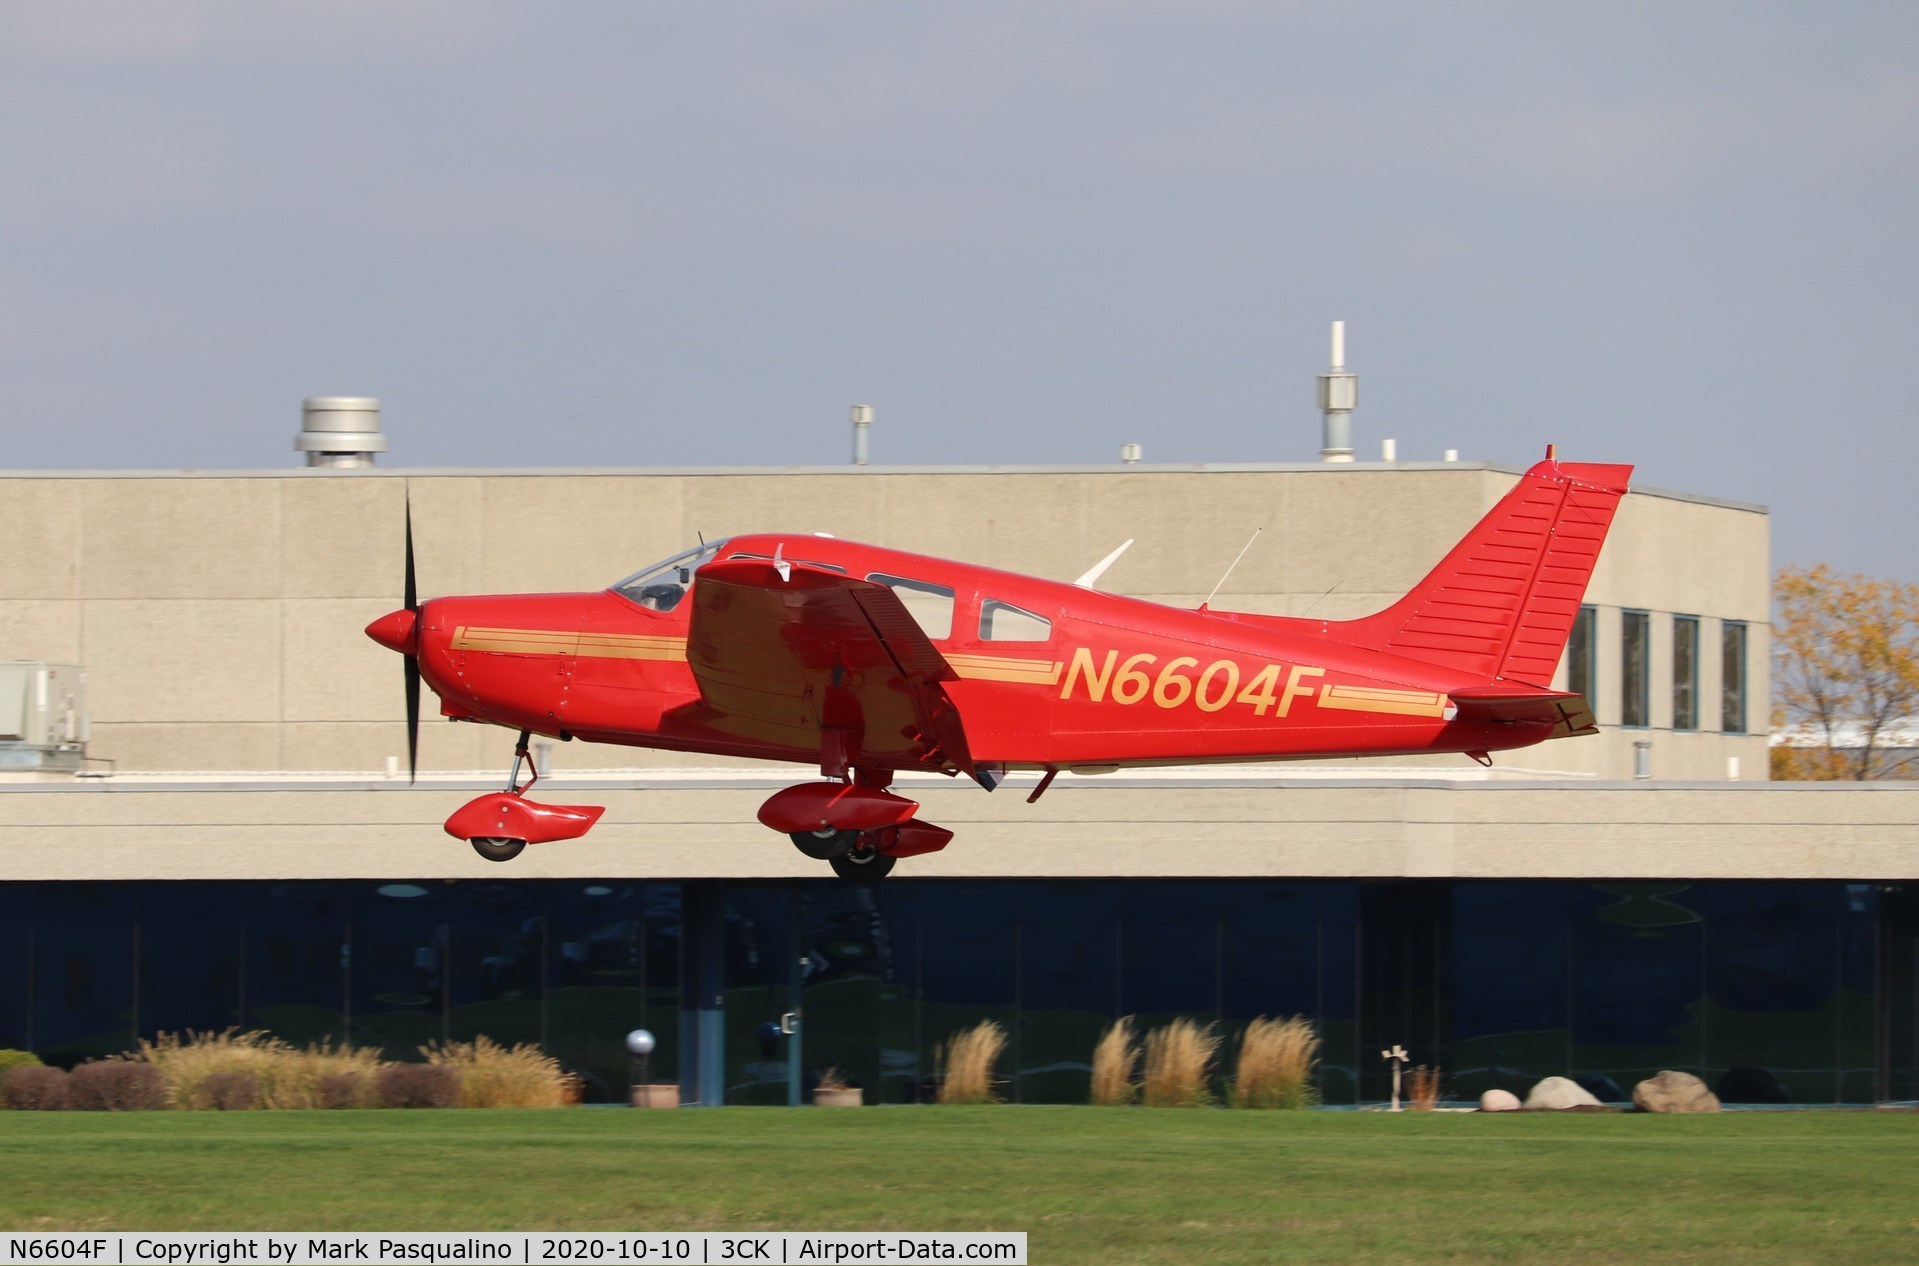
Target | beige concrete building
(218,614)
(250,860)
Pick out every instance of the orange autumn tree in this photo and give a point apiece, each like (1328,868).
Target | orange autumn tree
(1846,674)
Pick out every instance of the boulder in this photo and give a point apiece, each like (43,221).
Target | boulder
(1668,1091)
(1559,1093)
(1499,1101)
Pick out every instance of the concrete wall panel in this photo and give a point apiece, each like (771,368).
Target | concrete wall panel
(578,533)
(183,661)
(40,630)
(180,538)
(43,539)
(344,538)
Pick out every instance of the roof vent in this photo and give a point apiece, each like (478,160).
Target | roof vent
(340,431)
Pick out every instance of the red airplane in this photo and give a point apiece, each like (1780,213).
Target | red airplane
(867,661)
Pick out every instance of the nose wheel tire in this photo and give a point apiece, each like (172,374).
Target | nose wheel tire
(497,849)
(862,865)
(825,844)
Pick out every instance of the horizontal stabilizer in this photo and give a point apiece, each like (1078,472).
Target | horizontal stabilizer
(1568,712)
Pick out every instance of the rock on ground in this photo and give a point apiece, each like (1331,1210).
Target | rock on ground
(1668,1091)
(1499,1101)
(1560,1093)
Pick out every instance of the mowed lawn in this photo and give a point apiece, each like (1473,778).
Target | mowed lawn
(1088,1185)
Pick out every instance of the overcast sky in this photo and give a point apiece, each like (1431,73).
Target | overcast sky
(614,234)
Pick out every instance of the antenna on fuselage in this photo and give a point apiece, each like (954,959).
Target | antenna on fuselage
(1229,570)
(1098,569)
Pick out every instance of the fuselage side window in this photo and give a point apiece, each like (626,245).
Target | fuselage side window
(930,605)
(1004,622)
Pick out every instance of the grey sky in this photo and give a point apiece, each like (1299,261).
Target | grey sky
(1680,235)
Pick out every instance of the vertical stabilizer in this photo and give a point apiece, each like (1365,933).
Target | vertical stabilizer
(1501,605)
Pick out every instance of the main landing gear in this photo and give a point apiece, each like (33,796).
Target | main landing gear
(856,826)
(501,824)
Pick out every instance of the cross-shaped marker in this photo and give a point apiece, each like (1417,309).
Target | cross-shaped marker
(1399,1057)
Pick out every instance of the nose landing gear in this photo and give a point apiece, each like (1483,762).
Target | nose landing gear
(501,824)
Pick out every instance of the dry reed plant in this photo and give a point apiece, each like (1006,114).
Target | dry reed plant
(1276,1062)
(1115,1065)
(965,1062)
(287,1076)
(1179,1058)
(1422,1089)
(496,1076)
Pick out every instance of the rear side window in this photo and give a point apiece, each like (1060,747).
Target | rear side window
(1004,622)
(930,605)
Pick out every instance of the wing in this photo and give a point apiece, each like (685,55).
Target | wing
(801,656)
(1568,712)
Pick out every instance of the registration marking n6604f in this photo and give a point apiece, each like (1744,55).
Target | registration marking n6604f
(1181,681)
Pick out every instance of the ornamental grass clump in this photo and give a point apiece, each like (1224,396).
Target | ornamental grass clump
(966,1061)
(496,1076)
(417,1086)
(1276,1063)
(284,1075)
(34,1088)
(1179,1059)
(1423,1089)
(116,1085)
(1116,1065)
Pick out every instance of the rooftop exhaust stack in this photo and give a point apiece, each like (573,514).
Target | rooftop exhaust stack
(862,419)
(340,431)
(1338,395)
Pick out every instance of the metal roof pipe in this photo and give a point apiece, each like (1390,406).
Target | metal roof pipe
(341,431)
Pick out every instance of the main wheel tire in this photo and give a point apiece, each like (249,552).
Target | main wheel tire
(497,848)
(824,844)
(863,865)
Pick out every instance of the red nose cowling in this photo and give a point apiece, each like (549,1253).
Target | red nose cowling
(397,631)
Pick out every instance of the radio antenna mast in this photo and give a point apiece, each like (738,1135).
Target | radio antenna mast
(1229,570)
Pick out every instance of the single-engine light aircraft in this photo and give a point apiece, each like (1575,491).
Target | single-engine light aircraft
(867,661)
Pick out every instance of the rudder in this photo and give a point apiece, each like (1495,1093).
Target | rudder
(1501,604)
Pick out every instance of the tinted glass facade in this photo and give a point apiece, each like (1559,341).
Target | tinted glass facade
(1810,989)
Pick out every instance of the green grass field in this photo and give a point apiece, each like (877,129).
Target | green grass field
(1088,1185)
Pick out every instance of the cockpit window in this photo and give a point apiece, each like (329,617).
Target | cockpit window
(661,586)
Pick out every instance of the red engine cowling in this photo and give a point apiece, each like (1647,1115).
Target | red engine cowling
(840,806)
(504,815)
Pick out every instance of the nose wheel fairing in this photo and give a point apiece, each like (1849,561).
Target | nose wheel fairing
(508,815)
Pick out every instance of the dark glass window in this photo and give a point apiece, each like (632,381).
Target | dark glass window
(1635,662)
(1732,678)
(930,605)
(1580,678)
(1685,672)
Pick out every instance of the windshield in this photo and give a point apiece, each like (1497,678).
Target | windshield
(661,586)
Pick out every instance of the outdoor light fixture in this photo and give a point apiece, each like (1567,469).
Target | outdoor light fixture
(639,1044)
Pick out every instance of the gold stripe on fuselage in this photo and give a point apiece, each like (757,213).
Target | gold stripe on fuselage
(1407,703)
(559,642)
(1037,672)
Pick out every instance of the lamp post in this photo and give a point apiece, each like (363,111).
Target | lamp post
(639,1044)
